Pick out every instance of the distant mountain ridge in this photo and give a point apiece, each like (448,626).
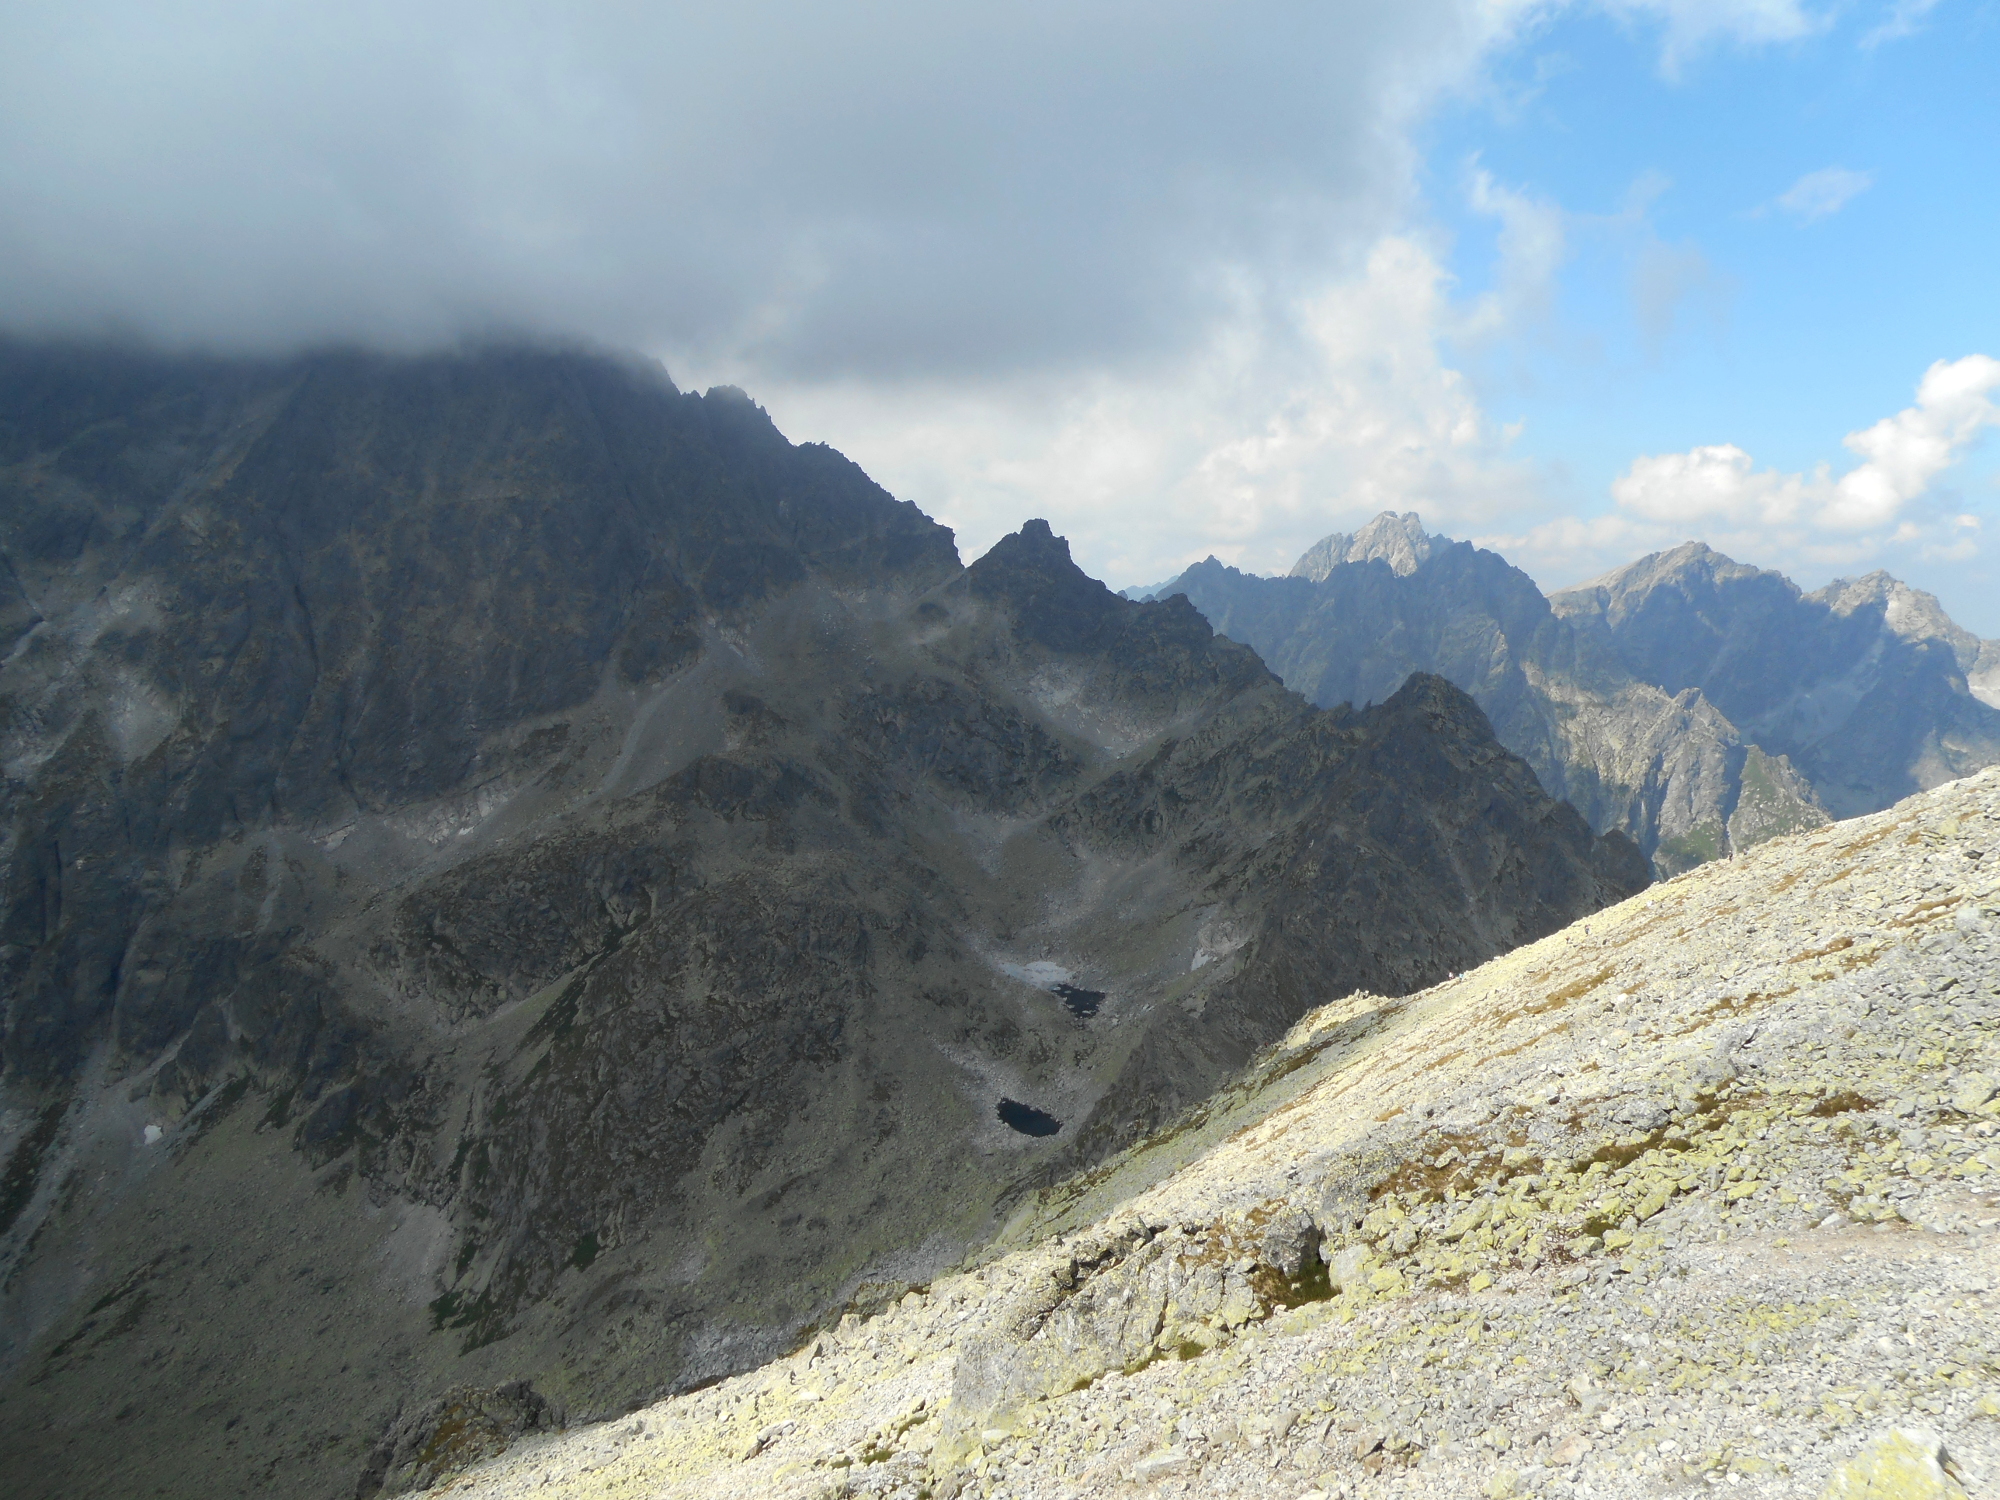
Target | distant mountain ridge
(1870,689)
(1698,705)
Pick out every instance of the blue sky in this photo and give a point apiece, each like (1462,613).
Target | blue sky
(1695,305)
(1575,278)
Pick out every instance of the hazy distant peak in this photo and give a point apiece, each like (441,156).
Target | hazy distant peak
(1690,565)
(1915,616)
(1906,612)
(1147,592)
(1688,557)
(1398,540)
(1910,613)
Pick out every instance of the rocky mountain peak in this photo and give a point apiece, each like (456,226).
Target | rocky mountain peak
(1909,613)
(1398,540)
(1053,601)
(1690,577)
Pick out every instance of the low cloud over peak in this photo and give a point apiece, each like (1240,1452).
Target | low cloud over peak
(889,190)
(1180,275)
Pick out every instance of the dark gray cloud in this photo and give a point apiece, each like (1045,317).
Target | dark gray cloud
(806,191)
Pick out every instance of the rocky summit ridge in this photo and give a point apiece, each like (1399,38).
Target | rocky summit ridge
(1701,1193)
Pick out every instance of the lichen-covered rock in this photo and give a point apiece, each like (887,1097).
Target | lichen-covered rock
(1903,1464)
(450,1433)
(1176,1293)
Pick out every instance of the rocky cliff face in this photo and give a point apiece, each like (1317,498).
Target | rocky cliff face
(1360,613)
(516,873)
(1866,685)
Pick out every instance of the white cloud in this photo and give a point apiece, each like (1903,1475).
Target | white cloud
(1827,191)
(1901,456)
(1905,18)
(1289,423)
(1887,505)
(1693,26)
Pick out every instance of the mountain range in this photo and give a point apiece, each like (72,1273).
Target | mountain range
(1698,705)
(516,878)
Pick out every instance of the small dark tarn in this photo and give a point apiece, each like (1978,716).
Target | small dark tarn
(1082,1003)
(1027,1119)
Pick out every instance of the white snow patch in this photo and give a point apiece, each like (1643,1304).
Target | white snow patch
(1042,974)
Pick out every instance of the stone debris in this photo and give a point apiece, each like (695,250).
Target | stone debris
(1705,1197)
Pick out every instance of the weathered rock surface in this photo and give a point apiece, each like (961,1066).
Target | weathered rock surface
(453,1432)
(514,872)
(1702,1192)
(1360,613)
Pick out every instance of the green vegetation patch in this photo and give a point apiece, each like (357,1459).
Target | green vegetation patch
(1682,852)
(481,1316)
(24,1164)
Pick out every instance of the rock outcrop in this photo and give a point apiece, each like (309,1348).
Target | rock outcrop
(1703,1191)
(450,1433)
(515,872)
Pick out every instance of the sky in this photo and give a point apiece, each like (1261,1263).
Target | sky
(1577,281)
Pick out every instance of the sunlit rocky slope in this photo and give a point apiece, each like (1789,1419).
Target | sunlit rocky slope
(1699,705)
(514,873)
(1702,1192)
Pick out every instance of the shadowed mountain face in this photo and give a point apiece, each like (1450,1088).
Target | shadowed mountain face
(1361,613)
(1866,685)
(515,872)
